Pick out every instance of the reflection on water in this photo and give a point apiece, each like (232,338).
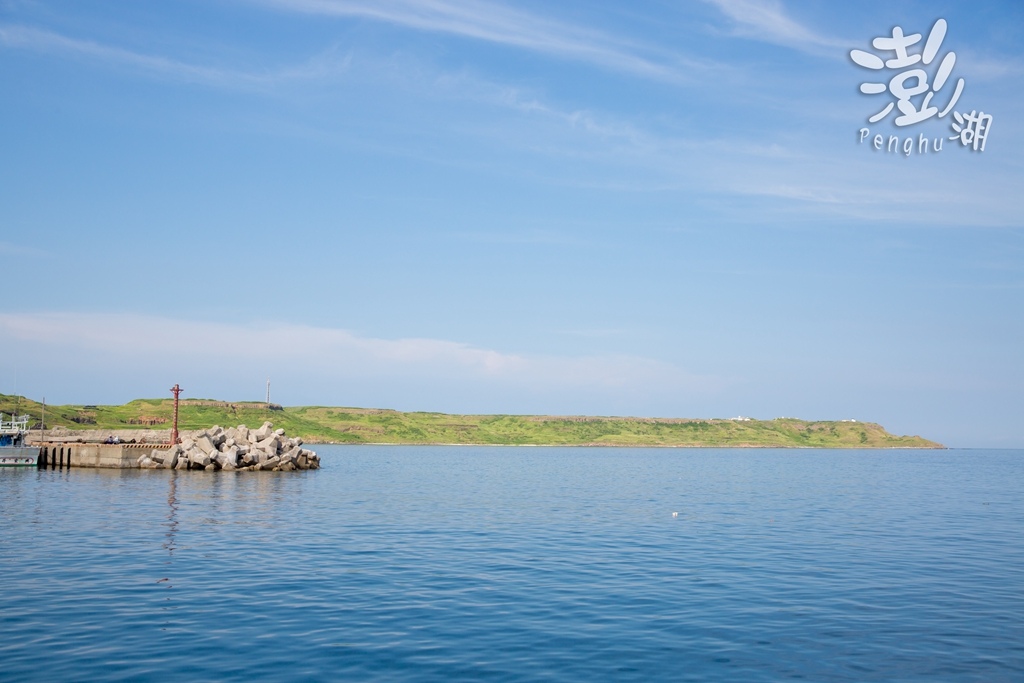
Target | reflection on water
(172,513)
(517,564)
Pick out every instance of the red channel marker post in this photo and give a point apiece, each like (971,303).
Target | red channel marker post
(174,430)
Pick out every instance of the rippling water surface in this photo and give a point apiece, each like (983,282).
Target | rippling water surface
(519,564)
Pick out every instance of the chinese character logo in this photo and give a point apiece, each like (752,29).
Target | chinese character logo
(971,129)
(914,77)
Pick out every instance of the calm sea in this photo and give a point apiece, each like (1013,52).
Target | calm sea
(522,564)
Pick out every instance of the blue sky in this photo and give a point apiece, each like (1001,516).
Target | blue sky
(653,208)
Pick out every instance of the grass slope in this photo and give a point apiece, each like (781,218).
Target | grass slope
(360,425)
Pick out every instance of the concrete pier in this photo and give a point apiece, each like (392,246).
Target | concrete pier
(58,455)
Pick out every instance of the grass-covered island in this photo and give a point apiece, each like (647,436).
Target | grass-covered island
(320,424)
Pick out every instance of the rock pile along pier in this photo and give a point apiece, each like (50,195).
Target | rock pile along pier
(235,448)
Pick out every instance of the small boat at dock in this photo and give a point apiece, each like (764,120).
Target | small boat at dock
(13,451)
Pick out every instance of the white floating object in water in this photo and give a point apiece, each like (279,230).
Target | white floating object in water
(675,514)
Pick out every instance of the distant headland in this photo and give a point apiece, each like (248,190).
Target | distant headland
(150,420)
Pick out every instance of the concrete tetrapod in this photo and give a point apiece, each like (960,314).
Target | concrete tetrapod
(235,448)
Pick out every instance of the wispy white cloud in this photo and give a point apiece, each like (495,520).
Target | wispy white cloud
(607,151)
(521,237)
(13,36)
(21,250)
(987,67)
(813,173)
(497,23)
(768,21)
(778,166)
(318,351)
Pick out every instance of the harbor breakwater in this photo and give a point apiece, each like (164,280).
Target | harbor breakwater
(235,448)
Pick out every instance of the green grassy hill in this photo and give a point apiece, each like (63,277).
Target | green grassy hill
(361,425)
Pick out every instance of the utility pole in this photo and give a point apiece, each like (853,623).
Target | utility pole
(174,430)
(268,392)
